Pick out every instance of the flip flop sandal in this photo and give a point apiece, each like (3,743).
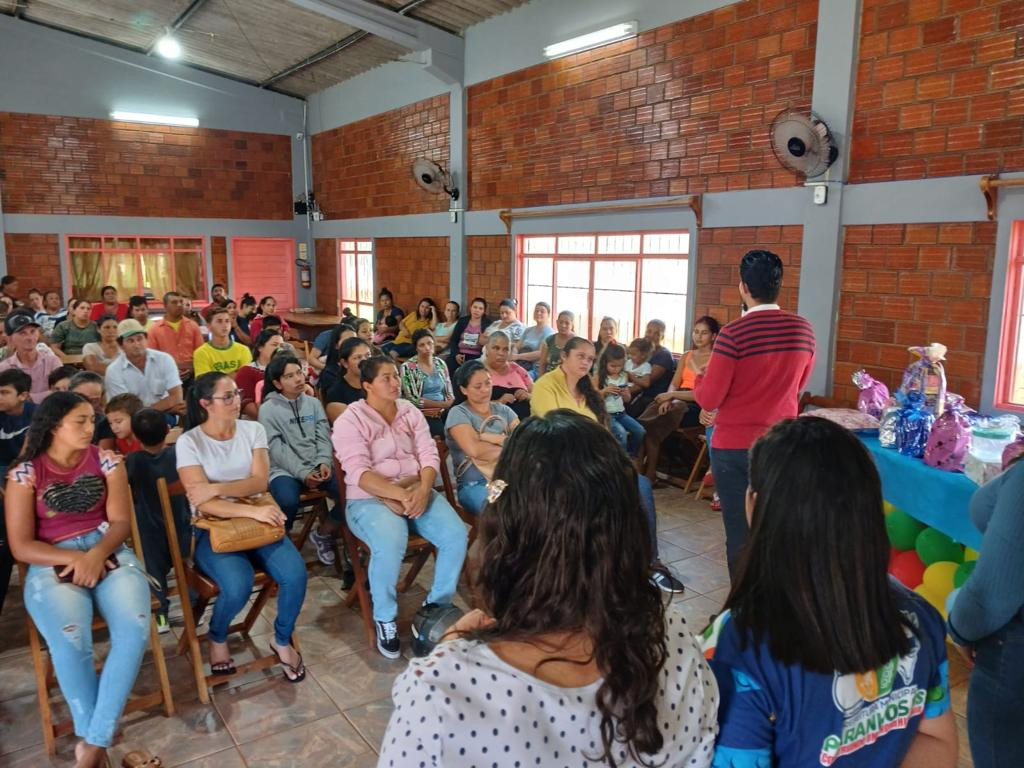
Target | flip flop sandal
(222,668)
(298,672)
(140,759)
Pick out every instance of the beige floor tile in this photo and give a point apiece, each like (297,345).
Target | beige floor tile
(359,678)
(18,676)
(271,706)
(196,730)
(695,537)
(701,574)
(229,758)
(36,757)
(321,742)
(19,722)
(964,759)
(371,720)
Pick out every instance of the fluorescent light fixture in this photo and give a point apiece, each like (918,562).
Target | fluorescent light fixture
(168,47)
(591,40)
(145,117)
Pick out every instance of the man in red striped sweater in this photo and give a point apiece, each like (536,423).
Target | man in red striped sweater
(759,365)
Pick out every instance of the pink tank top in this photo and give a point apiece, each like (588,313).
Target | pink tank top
(69,501)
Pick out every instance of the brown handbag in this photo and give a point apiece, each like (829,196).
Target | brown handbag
(411,482)
(239,534)
(485,467)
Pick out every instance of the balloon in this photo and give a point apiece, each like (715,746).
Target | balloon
(938,603)
(970,554)
(938,578)
(903,530)
(950,600)
(907,569)
(963,570)
(934,546)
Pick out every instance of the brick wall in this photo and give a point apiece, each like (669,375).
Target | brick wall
(35,260)
(412,268)
(684,108)
(69,165)
(940,89)
(365,168)
(718,270)
(906,285)
(219,256)
(326,255)
(489,270)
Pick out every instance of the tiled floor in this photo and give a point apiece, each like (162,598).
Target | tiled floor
(338,715)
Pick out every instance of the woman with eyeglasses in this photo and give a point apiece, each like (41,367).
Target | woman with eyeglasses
(222,458)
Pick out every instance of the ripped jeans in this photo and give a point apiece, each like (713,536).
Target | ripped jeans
(63,614)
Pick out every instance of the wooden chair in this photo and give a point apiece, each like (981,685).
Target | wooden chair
(466,517)
(44,673)
(206,590)
(316,504)
(417,551)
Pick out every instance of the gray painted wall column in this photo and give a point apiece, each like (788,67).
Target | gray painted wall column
(835,69)
(3,246)
(457,167)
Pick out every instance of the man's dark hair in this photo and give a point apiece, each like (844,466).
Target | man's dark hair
(761,271)
(17,378)
(7,280)
(64,372)
(85,377)
(150,427)
(271,320)
(138,301)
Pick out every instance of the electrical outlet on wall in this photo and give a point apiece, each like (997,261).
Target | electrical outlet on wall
(820,194)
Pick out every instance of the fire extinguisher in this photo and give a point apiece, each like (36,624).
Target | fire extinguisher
(304,275)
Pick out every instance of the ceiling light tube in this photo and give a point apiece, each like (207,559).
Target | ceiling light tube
(590,40)
(145,117)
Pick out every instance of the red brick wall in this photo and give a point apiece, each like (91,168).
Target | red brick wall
(489,269)
(718,267)
(684,108)
(365,168)
(907,285)
(35,260)
(75,165)
(219,255)
(326,255)
(940,89)
(412,268)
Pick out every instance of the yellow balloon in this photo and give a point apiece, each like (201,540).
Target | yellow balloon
(970,554)
(938,579)
(932,598)
(888,508)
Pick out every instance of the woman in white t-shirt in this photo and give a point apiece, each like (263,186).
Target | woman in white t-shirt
(574,656)
(221,458)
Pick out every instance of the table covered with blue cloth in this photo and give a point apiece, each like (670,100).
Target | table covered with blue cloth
(932,496)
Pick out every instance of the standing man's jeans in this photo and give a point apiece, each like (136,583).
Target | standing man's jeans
(729,468)
(387,535)
(63,614)
(643,486)
(995,699)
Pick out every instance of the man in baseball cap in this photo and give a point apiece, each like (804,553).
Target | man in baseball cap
(148,373)
(27,354)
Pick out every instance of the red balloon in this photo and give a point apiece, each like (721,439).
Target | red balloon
(907,568)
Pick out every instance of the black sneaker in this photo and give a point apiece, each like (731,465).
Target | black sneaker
(387,639)
(666,582)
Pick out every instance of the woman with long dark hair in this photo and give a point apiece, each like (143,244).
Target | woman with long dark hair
(267,308)
(329,370)
(822,658)
(467,335)
(263,350)
(570,386)
(425,381)
(67,515)
(222,458)
(573,646)
(404,345)
(348,387)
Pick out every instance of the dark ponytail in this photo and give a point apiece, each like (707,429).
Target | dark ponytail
(275,370)
(585,386)
(202,389)
(611,353)
(46,418)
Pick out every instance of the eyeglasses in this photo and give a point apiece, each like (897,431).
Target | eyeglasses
(230,397)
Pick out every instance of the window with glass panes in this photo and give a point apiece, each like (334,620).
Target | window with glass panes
(632,277)
(1010,383)
(355,269)
(143,266)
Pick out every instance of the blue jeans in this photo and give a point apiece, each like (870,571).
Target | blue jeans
(387,536)
(402,350)
(63,614)
(233,573)
(729,468)
(995,699)
(646,491)
(286,491)
(628,431)
(473,497)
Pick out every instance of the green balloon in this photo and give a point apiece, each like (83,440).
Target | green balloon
(933,546)
(903,530)
(962,572)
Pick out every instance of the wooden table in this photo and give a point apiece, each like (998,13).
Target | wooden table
(308,324)
(75,360)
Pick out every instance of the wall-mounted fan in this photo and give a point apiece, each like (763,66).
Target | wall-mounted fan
(433,178)
(803,143)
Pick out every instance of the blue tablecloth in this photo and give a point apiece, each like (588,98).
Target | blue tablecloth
(934,497)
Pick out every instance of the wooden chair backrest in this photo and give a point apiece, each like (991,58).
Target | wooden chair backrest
(165,491)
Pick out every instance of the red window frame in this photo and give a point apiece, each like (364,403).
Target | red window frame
(638,258)
(139,251)
(1011,357)
(349,295)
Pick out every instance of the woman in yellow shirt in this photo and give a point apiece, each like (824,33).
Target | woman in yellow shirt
(424,317)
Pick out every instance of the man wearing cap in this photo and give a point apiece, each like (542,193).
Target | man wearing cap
(148,373)
(22,331)
(176,334)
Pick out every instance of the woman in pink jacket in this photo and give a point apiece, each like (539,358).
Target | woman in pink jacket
(390,463)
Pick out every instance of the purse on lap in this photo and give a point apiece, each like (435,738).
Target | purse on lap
(412,482)
(239,534)
(484,467)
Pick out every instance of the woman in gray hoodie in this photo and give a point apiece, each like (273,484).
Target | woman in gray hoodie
(300,447)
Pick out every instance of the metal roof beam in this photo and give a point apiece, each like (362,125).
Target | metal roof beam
(446,51)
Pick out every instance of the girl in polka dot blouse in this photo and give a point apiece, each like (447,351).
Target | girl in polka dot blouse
(574,660)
